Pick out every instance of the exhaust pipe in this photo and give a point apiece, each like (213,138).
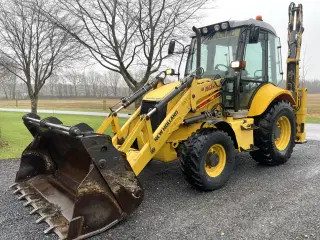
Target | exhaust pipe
(198,36)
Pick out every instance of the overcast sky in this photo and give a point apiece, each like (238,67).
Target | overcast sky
(275,12)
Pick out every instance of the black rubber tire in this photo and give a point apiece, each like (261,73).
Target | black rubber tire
(192,158)
(263,136)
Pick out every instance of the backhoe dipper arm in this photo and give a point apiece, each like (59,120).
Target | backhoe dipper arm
(295,31)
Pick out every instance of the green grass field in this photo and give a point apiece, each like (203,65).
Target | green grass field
(313,119)
(15,137)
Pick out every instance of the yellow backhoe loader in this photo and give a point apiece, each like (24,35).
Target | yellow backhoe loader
(82,182)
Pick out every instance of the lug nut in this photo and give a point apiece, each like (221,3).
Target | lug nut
(102,163)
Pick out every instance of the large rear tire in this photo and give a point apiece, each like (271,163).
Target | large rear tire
(275,136)
(207,159)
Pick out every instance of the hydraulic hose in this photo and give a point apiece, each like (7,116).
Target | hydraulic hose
(128,101)
(170,96)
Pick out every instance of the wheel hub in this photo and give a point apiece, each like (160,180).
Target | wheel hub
(212,159)
(215,160)
(277,132)
(282,133)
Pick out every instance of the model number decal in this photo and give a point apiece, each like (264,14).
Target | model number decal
(166,125)
(208,88)
(208,100)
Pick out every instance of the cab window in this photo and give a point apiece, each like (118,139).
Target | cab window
(275,73)
(255,72)
(255,54)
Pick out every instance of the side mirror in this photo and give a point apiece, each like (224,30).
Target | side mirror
(172,46)
(169,72)
(254,35)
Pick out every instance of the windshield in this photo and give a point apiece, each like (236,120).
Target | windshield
(218,50)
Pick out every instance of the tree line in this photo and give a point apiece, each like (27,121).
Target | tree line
(93,84)
(68,84)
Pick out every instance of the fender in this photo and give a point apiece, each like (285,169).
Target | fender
(225,126)
(265,95)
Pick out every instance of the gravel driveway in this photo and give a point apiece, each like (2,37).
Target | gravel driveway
(257,203)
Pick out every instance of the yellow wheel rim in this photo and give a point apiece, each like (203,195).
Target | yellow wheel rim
(215,161)
(283,139)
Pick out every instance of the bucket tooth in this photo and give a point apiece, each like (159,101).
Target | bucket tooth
(50,229)
(30,201)
(45,217)
(17,190)
(13,186)
(24,195)
(35,210)
(41,219)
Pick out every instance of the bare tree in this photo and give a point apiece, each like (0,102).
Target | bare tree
(94,78)
(124,34)
(36,46)
(8,83)
(113,80)
(75,78)
(105,83)
(53,81)
(304,67)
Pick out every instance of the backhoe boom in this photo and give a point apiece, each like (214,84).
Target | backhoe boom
(295,31)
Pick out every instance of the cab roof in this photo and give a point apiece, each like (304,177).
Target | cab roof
(235,24)
(258,23)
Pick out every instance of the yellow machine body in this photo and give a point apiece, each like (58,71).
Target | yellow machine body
(201,96)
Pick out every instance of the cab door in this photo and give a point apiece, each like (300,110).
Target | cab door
(255,73)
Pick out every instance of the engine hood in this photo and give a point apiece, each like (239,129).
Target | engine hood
(160,93)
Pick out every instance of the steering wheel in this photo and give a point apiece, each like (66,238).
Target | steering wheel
(257,77)
(221,65)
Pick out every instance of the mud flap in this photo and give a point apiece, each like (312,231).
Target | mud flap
(75,179)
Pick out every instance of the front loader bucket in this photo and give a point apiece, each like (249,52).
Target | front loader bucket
(75,179)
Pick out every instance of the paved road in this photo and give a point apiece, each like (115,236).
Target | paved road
(258,202)
(313,131)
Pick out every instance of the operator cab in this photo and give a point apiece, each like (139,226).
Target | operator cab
(252,43)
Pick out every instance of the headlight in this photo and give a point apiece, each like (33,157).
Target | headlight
(224,26)
(216,28)
(204,30)
(238,64)
(235,64)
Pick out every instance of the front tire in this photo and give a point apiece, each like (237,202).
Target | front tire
(275,136)
(207,159)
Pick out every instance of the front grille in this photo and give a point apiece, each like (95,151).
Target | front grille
(157,117)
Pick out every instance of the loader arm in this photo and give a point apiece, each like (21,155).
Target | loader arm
(151,141)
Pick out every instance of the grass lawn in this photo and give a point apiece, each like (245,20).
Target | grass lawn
(313,119)
(15,136)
